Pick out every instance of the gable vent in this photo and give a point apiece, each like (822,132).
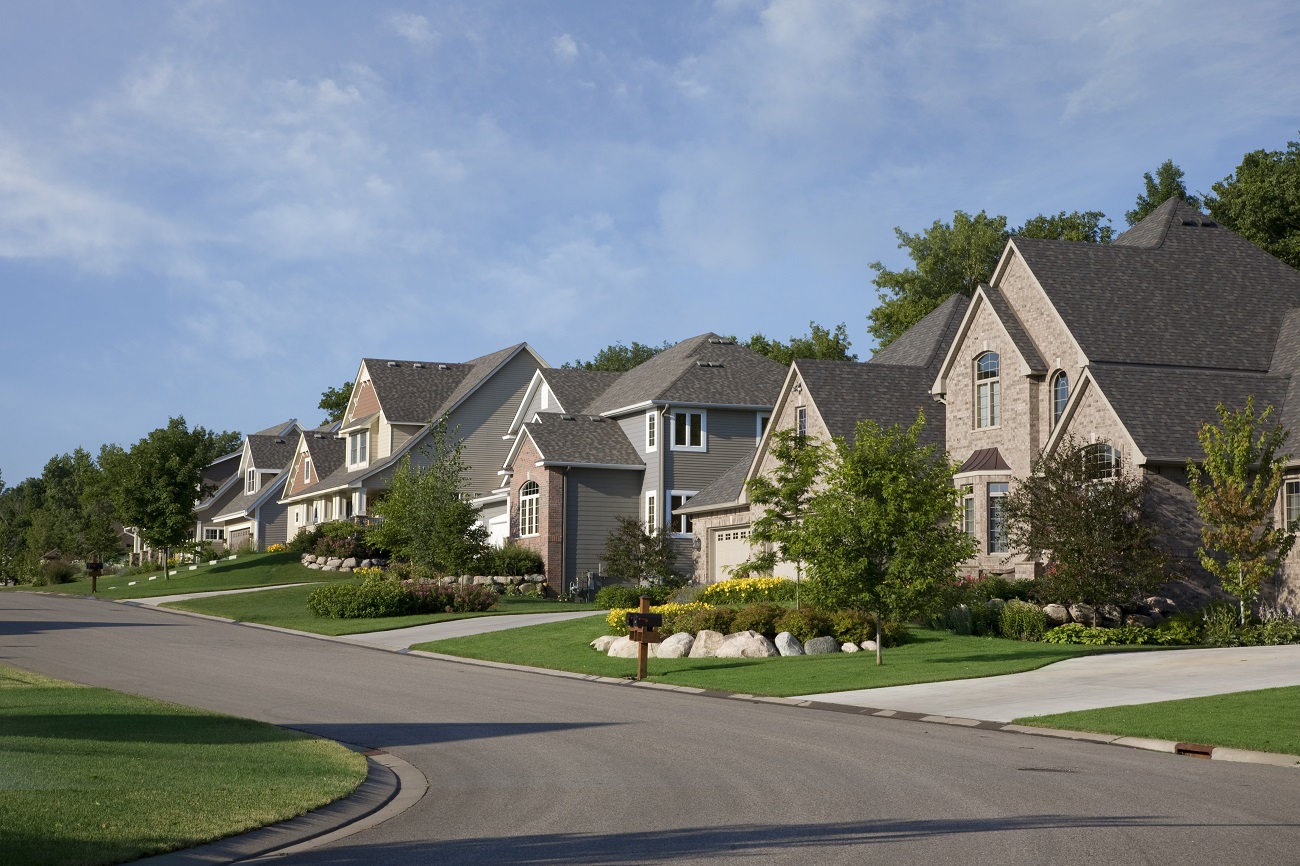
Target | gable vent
(392,363)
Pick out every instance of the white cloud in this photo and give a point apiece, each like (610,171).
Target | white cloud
(414,28)
(565,48)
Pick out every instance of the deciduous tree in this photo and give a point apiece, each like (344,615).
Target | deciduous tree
(1261,201)
(631,553)
(618,358)
(335,402)
(1166,184)
(819,344)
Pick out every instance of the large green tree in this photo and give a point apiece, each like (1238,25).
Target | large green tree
(1261,201)
(619,358)
(1079,511)
(1236,489)
(75,513)
(425,519)
(1167,183)
(631,553)
(882,535)
(335,402)
(156,484)
(819,343)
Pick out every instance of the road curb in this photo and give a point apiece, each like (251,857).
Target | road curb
(390,788)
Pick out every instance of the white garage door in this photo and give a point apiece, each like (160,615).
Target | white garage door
(730,547)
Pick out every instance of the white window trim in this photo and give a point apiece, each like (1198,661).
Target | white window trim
(758,425)
(652,430)
(994,386)
(989,496)
(251,480)
(704,430)
(650,511)
(358,441)
(306,470)
(218,533)
(801,421)
(530,504)
(686,494)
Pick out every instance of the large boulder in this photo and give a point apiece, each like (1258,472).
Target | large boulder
(601,644)
(1137,619)
(706,644)
(480,580)
(788,645)
(1162,606)
(675,646)
(1109,616)
(626,648)
(333,564)
(308,558)
(351,562)
(868,645)
(1057,614)
(821,646)
(746,645)
(849,648)
(1085,614)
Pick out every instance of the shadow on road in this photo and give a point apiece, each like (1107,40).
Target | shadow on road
(382,735)
(11,627)
(703,842)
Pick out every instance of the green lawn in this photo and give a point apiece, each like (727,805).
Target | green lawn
(252,569)
(287,608)
(932,657)
(1267,720)
(90,776)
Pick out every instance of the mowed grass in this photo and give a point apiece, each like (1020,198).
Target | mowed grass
(931,657)
(287,608)
(90,776)
(1267,720)
(252,569)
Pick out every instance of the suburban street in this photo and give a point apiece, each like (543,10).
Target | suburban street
(527,768)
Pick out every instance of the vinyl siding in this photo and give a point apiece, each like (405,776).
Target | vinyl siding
(594,499)
(275,520)
(730,435)
(484,418)
(633,427)
(401,434)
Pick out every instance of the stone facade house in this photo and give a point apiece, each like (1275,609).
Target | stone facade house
(824,400)
(1129,346)
(390,415)
(591,447)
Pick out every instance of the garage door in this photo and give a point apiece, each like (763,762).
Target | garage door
(730,548)
(240,537)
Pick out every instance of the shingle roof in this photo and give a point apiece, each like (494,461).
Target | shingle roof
(846,392)
(984,460)
(245,502)
(1175,290)
(271,452)
(1163,407)
(581,439)
(1015,330)
(703,370)
(577,389)
(925,343)
(724,490)
(328,459)
(285,428)
(416,392)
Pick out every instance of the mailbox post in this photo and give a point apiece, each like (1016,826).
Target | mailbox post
(643,628)
(94,568)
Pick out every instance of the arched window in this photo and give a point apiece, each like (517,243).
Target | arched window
(988,391)
(1100,460)
(1060,393)
(529,504)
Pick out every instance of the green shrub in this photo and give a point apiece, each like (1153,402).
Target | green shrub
(372,598)
(955,619)
(512,560)
(717,619)
(994,586)
(142,568)
(852,626)
(805,623)
(1276,632)
(1183,629)
(760,617)
(305,540)
(1220,626)
(1021,620)
(749,590)
(1077,633)
(55,572)
(985,619)
(610,597)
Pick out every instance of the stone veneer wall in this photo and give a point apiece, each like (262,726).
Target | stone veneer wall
(702,527)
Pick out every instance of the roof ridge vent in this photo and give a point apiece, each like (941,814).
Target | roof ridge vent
(417,365)
(279,441)
(443,367)
(721,341)
(319,435)
(708,363)
(566,418)
(392,363)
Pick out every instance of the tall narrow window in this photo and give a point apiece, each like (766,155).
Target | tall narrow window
(998,517)
(802,421)
(530,500)
(988,391)
(1060,393)
(250,481)
(688,431)
(358,444)
(306,470)
(1292,500)
(968,509)
(651,513)
(651,419)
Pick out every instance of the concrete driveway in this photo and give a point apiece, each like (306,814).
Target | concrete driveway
(1090,682)
(401,638)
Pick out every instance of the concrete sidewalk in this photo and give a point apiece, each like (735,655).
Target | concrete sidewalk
(401,638)
(1089,683)
(186,596)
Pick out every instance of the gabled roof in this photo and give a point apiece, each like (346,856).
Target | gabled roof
(328,457)
(725,489)
(244,504)
(704,370)
(1015,330)
(271,451)
(581,440)
(285,428)
(1175,290)
(577,389)
(846,392)
(416,392)
(925,343)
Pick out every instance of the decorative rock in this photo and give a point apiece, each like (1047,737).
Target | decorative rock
(868,645)
(515,580)
(1137,619)
(314,565)
(329,568)
(1110,615)
(675,646)
(351,562)
(333,563)
(788,645)
(821,646)
(308,558)
(1163,606)
(1155,618)
(625,648)
(1083,613)
(367,563)
(706,644)
(1057,614)
(746,645)
(481,581)
(535,578)
(998,603)
(601,644)
(849,648)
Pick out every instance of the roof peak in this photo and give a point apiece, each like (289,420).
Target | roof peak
(1150,232)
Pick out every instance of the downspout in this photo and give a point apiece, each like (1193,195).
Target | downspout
(661,495)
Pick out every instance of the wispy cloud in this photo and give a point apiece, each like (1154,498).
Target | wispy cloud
(414,28)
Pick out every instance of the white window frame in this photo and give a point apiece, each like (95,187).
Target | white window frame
(968,510)
(217,533)
(315,513)
(359,448)
(801,422)
(652,430)
(650,511)
(250,481)
(759,425)
(306,470)
(999,494)
(1291,500)
(703,431)
(681,524)
(545,397)
(530,508)
(988,394)
(1058,406)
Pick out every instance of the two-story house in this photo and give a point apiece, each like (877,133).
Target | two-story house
(260,458)
(591,447)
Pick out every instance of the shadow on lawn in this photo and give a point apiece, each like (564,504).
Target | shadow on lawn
(145,728)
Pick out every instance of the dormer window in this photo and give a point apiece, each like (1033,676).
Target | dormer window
(1060,394)
(358,445)
(250,481)
(988,391)
(801,422)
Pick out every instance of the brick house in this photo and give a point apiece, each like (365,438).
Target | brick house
(591,447)
(1129,346)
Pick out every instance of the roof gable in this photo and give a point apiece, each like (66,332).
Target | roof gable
(581,440)
(925,343)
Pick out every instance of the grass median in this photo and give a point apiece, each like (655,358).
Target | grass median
(91,776)
(287,608)
(1264,720)
(932,656)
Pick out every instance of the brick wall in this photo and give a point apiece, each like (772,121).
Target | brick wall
(549,542)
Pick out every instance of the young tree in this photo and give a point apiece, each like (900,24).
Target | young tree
(156,484)
(1261,201)
(783,497)
(1080,512)
(618,358)
(1167,183)
(1236,490)
(335,402)
(631,553)
(882,536)
(819,344)
(426,520)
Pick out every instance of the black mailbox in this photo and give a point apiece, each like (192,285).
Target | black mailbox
(645,620)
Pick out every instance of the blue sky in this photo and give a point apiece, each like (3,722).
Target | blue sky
(215,209)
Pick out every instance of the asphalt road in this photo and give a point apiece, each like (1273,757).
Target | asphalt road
(533,769)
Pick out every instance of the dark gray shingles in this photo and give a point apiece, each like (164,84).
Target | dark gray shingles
(1286,353)
(285,428)
(245,502)
(846,392)
(327,461)
(1164,407)
(581,439)
(1169,293)
(271,452)
(725,489)
(411,394)
(925,343)
(1015,330)
(576,389)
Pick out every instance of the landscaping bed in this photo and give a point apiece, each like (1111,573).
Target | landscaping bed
(91,776)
